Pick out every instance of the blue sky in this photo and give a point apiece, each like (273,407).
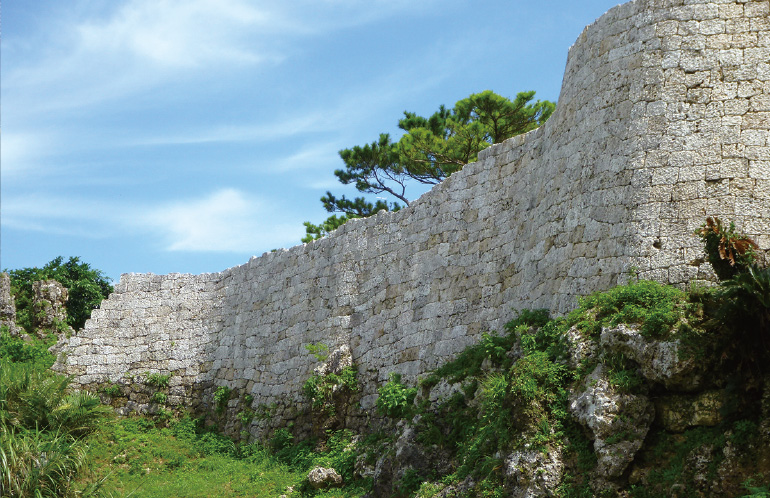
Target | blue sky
(188,135)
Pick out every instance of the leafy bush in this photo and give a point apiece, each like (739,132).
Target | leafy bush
(17,350)
(87,288)
(37,463)
(320,388)
(320,351)
(42,427)
(221,397)
(744,309)
(159,398)
(742,303)
(654,307)
(112,390)
(395,399)
(158,380)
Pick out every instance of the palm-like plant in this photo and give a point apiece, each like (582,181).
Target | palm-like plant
(41,431)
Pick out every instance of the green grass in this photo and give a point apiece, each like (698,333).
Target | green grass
(136,457)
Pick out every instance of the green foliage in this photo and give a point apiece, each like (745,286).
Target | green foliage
(340,454)
(654,307)
(333,222)
(158,380)
(409,483)
(729,253)
(17,350)
(87,287)
(222,395)
(395,399)
(756,490)
(741,306)
(668,454)
(743,310)
(42,431)
(622,374)
(159,398)
(320,388)
(468,362)
(38,399)
(429,150)
(112,390)
(40,464)
(320,351)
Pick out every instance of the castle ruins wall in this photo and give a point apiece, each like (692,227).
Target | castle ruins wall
(663,119)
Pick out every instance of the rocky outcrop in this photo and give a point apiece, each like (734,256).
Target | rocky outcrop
(660,361)
(49,306)
(618,421)
(7,306)
(677,413)
(532,472)
(322,478)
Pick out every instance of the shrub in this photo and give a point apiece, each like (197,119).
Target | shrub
(654,307)
(221,397)
(743,309)
(17,350)
(159,398)
(87,288)
(42,427)
(158,380)
(320,388)
(395,399)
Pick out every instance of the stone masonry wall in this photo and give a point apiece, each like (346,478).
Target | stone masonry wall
(663,119)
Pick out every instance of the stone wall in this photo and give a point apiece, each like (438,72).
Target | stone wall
(663,119)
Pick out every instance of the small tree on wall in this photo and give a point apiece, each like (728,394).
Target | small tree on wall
(430,150)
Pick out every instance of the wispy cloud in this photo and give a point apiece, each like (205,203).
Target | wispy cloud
(141,44)
(226,220)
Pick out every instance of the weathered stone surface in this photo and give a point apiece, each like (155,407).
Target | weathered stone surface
(320,478)
(531,473)
(618,422)
(659,361)
(49,305)
(7,306)
(676,413)
(337,361)
(581,348)
(406,455)
(662,120)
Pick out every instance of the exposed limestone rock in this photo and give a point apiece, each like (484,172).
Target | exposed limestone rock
(320,478)
(459,490)
(531,473)
(658,361)
(676,413)
(7,305)
(337,361)
(406,455)
(48,306)
(618,422)
(580,347)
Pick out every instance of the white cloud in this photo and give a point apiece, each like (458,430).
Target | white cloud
(226,220)
(175,33)
(141,44)
(19,151)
